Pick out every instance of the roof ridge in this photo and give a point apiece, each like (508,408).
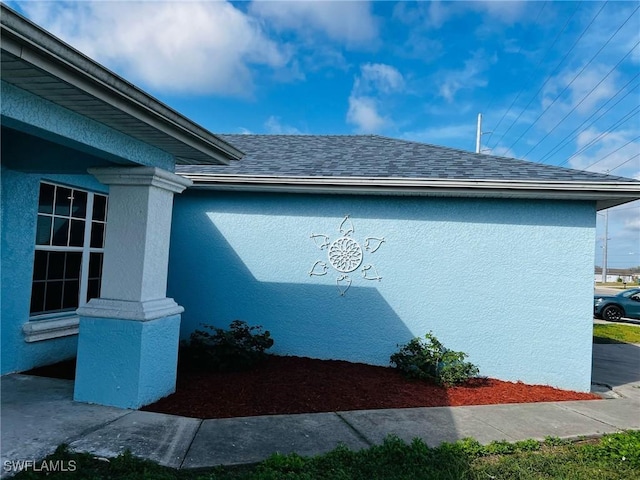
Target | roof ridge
(530,162)
(305,145)
(480,156)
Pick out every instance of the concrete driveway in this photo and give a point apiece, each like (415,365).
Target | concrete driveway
(618,367)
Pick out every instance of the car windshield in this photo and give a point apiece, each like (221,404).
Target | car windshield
(628,293)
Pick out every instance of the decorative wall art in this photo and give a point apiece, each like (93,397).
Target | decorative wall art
(346,256)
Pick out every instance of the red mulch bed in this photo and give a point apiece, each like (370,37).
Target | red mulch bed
(304,385)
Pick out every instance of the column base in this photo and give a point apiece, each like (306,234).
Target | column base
(126,363)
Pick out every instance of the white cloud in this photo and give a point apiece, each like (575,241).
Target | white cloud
(610,151)
(633,224)
(609,19)
(467,78)
(275,126)
(589,87)
(443,135)
(436,13)
(505,12)
(186,47)
(348,22)
(363,113)
(376,81)
(499,150)
(461,136)
(623,233)
(380,77)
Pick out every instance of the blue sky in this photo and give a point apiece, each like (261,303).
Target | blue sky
(556,82)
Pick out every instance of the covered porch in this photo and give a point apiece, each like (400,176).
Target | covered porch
(87,196)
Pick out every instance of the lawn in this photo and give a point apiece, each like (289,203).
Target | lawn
(614,456)
(616,333)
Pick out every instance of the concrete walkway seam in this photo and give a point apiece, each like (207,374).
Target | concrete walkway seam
(95,428)
(358,433)
(568,407)
(186,453)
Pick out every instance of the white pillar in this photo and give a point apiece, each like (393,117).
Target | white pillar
(128,338)
(136,250)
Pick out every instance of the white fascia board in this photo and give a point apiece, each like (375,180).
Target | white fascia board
(605,194)
(30,43)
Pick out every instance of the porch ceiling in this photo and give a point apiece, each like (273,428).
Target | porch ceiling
(35,61)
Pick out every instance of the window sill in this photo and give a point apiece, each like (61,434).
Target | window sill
(38,330)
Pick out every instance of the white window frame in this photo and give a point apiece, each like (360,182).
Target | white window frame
(44,326)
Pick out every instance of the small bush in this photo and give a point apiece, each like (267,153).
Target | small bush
(500,447)
(550,441)
(471,447)
(529,445)
(240,348)
(428,359)
(623,447)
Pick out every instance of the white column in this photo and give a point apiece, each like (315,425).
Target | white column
(136,251)
(128,338)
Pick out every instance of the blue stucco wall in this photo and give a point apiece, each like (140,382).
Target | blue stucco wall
(44,141)
(19,215)
(24,111)
(134,365)
(510,282)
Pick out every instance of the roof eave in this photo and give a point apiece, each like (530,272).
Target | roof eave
(38,47)
(605,195)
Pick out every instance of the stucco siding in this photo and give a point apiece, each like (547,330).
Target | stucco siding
(24,111)
(508,282)
(19,216)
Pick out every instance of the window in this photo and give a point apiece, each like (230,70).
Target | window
(69,249)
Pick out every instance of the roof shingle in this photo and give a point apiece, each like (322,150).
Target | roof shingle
(378,156)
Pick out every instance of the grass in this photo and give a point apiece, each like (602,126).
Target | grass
(616,333)
(614,456)
(619,285)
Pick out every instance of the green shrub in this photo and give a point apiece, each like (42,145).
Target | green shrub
(240,348)
(623,447)
(529,445)
(471,446)
(499,447)
(428,359)
(550,441)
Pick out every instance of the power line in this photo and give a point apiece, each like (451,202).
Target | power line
(486,109)
(565,141)
(626,161)
(539,62)
(620,122)
(581,101)
(576,76)
(552,73)
(612,152)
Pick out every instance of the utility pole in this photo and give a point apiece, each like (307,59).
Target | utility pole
(479,133)
(604,245)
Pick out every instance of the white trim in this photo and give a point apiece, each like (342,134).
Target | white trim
(128,310)
(85,249)
(46,329)
(143,176)
(605,194)
(86,253)
(36,46)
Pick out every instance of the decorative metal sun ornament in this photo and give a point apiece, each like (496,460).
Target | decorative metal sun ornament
(345,255)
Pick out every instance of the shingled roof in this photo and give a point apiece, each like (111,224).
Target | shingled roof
(378,156)
(373,164)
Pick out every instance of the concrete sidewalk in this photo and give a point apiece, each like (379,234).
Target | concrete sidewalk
(38,414)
